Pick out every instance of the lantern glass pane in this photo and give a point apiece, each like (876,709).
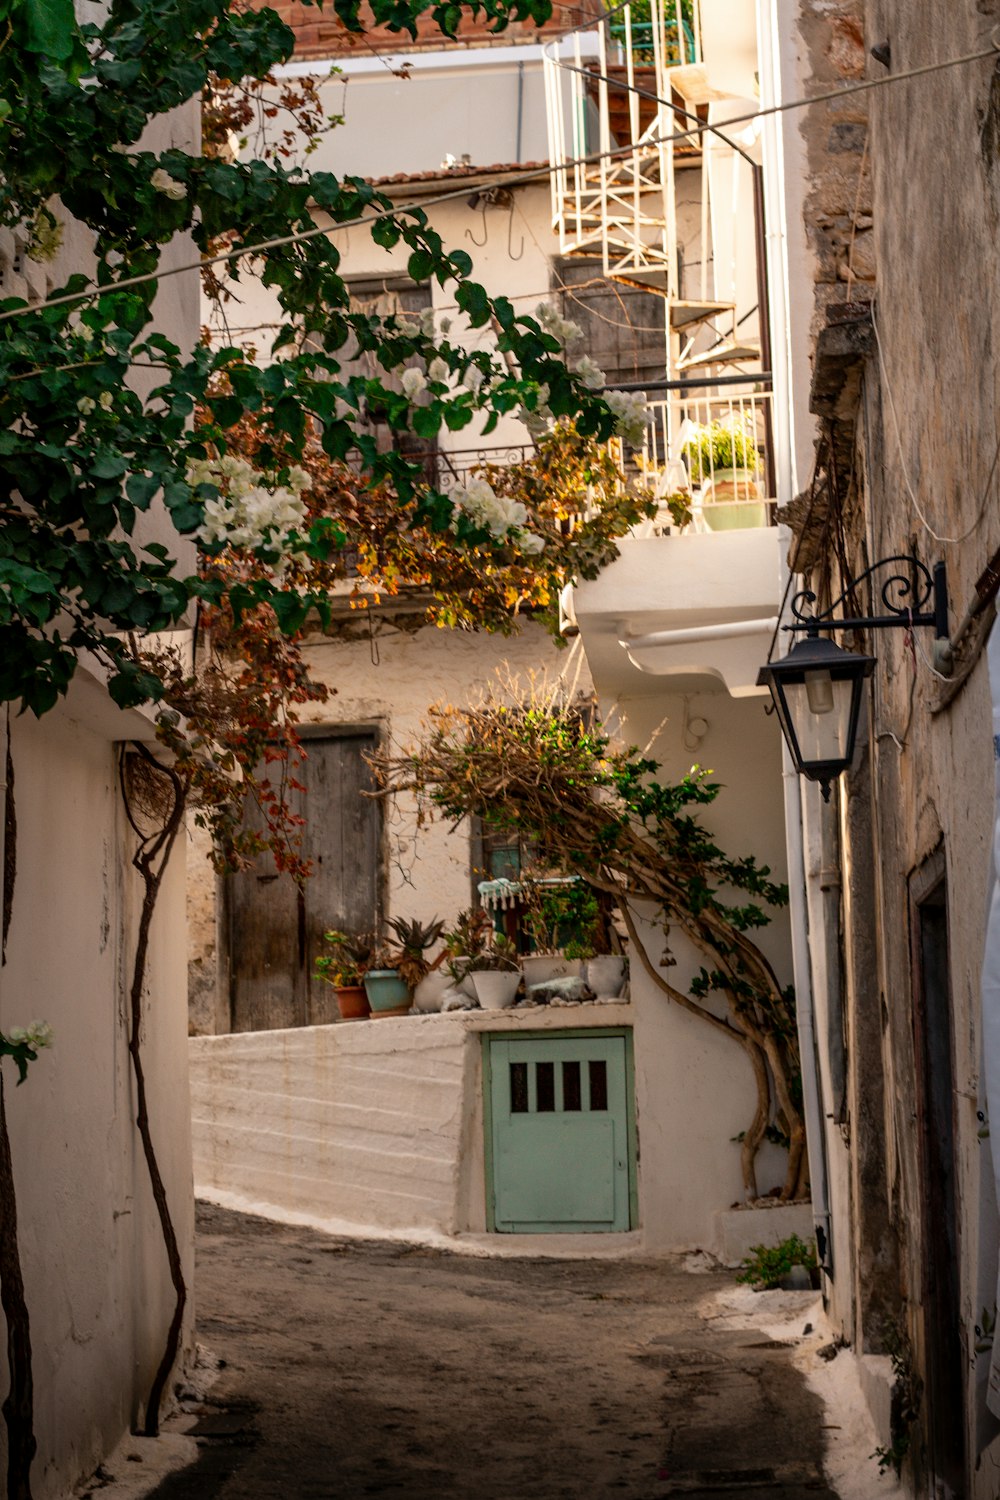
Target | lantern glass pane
(820,711)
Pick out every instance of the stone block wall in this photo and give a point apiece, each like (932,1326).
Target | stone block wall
(838,201)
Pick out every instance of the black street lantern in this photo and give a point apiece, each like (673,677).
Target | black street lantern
(817,691)
(817,687)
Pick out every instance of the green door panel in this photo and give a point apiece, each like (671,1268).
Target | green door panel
(559,1132)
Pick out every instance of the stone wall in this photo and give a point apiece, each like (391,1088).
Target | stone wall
(838,200)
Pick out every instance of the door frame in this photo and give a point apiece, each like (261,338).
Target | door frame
(944,1365)
(625,1033)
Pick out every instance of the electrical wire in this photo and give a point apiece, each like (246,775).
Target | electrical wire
(516,180)
(915,503)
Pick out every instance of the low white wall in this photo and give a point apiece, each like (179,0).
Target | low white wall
(375,1125)
(360,1122)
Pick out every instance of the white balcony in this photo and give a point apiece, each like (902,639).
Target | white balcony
(698,608)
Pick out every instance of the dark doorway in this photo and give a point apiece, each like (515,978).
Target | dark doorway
(273,930)
(945,1366)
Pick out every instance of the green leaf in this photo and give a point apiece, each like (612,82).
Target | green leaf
(50,27)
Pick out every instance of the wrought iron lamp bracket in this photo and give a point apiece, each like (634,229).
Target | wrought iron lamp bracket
(904,595)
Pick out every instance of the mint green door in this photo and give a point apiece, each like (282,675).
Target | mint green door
(560,1134)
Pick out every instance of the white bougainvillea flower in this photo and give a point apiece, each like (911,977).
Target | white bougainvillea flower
(38,1035)
(629,408)
(86,405)
(167,185)
(563,329)
(105,400)
(531,542)
(438,370)
(590,373)
(414,383)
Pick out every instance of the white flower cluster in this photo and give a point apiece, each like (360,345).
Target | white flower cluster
(414,383)
(564,330)
(87,404)
(36,1036)
(167,185)
(630,409)
(249,512)
(501,516)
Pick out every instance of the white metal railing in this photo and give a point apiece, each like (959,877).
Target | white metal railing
(620,208)
(714,449)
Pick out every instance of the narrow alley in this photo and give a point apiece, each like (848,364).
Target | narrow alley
(387,1369)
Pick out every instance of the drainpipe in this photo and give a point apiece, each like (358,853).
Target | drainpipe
(520,111)
(727,630)
(804,1012)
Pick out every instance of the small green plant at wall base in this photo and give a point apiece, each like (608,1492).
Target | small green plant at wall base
(767,1264)
(905,1401)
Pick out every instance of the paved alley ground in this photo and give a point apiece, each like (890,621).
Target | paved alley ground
(382,1369)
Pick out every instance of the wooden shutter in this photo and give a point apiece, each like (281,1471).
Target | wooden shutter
(274,931)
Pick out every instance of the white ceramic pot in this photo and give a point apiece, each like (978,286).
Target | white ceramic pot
(431,990)
(605,974)
(495,989)
(539,968)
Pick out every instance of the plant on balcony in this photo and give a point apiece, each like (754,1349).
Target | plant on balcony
(721,447)
(594,809)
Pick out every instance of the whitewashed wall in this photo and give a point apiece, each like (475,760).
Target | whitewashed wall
(94,1265)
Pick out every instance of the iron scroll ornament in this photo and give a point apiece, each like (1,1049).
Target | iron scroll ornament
(904,596)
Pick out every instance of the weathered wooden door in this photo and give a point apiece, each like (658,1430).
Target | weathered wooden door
(274,931)
(560,1138)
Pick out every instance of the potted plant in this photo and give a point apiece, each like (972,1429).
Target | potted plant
(496,974)
(724,459)
(387,991)
(466,941)
(422,976)
(344,968)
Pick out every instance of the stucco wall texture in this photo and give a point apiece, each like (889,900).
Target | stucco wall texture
(91,1249)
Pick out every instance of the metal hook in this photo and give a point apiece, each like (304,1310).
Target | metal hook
(486,233)
(510,234)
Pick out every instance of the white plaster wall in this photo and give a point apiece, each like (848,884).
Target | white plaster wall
(694,1088)
(94,1264)
(462,103)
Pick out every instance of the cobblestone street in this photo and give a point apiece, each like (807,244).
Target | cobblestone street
(386,1369)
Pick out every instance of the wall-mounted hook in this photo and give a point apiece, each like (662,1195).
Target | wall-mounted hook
(510,234)
(481,203)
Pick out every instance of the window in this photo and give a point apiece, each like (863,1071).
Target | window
(381,297)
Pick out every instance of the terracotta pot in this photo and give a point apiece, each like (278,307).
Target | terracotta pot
(387,993)
(495,988)
(352,1002)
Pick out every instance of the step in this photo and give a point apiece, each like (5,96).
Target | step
(722,354)
(687,314)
